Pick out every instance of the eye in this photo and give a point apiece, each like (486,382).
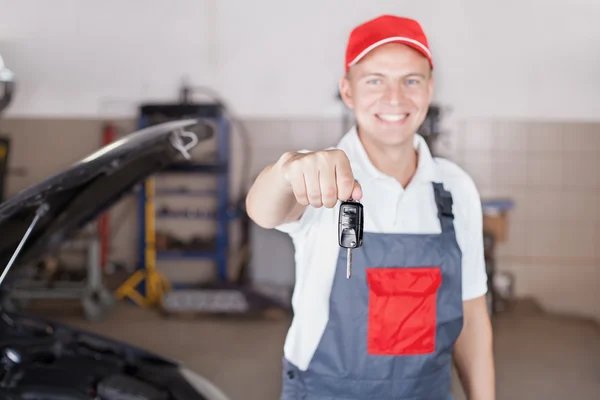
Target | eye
(374,81)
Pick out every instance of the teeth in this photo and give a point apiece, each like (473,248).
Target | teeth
(392,117)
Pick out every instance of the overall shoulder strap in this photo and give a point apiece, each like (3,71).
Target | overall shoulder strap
(443,200)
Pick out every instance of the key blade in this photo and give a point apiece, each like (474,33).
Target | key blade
(349,264)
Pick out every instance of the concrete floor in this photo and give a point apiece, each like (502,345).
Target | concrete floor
(538,356)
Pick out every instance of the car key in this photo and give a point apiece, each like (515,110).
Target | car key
(350,229)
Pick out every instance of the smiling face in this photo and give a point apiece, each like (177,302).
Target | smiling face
(390,91)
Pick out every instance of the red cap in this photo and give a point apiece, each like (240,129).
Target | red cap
(385,29)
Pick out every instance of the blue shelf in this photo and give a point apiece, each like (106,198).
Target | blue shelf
(185,192)
(219,167)
(183,214)
(185,254)
(498,205)
(187,214)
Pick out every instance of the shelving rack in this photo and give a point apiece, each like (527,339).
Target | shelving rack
(151,114)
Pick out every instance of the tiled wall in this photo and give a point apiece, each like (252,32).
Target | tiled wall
(551,171)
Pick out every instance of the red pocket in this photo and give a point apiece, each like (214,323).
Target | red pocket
(402,310)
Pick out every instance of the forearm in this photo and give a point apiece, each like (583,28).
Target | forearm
(271,201)
(473,352)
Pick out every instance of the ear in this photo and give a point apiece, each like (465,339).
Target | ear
(346,91)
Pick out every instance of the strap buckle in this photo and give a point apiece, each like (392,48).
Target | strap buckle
(445,207)
(444,201)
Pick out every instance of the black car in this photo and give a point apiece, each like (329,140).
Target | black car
(42,360)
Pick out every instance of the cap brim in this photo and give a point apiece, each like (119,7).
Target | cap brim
(415,44)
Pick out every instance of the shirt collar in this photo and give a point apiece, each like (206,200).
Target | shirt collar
(362,165)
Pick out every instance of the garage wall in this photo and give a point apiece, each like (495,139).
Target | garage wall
(549,169)
(522,92)
(268,58)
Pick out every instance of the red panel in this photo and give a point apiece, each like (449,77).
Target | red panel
(108,136)
(402,310)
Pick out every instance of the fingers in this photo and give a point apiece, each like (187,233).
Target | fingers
(329,190)
(344,177)
(357,191)
(322,178)
(313,186)
(295,177)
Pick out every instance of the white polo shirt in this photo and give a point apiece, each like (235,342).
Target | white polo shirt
(389,208)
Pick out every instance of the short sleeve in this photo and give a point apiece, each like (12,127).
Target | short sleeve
(469,235)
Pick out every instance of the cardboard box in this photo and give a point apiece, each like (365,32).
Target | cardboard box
(495,218)
(497,226)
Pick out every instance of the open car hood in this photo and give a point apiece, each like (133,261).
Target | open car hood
(81,193)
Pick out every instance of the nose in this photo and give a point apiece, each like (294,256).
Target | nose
(394,94)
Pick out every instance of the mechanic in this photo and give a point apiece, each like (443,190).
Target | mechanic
(416,299)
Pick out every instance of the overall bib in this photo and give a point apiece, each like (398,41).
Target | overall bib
(393,324)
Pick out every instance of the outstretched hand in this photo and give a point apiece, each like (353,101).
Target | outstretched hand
(320,178)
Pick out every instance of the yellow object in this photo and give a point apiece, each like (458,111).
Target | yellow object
(157,285)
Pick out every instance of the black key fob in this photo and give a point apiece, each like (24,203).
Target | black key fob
(350,224)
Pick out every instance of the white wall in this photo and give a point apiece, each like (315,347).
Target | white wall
(269,58)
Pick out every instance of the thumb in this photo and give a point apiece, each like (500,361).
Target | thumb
(357,191)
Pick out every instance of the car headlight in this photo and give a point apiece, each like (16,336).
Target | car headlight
(203,385)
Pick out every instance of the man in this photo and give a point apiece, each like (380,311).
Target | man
(416,298)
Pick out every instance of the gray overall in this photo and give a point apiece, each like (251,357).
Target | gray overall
(393,324)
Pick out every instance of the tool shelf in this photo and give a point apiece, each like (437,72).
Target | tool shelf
(151,114)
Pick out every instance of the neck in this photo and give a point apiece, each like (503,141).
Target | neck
(399,162)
